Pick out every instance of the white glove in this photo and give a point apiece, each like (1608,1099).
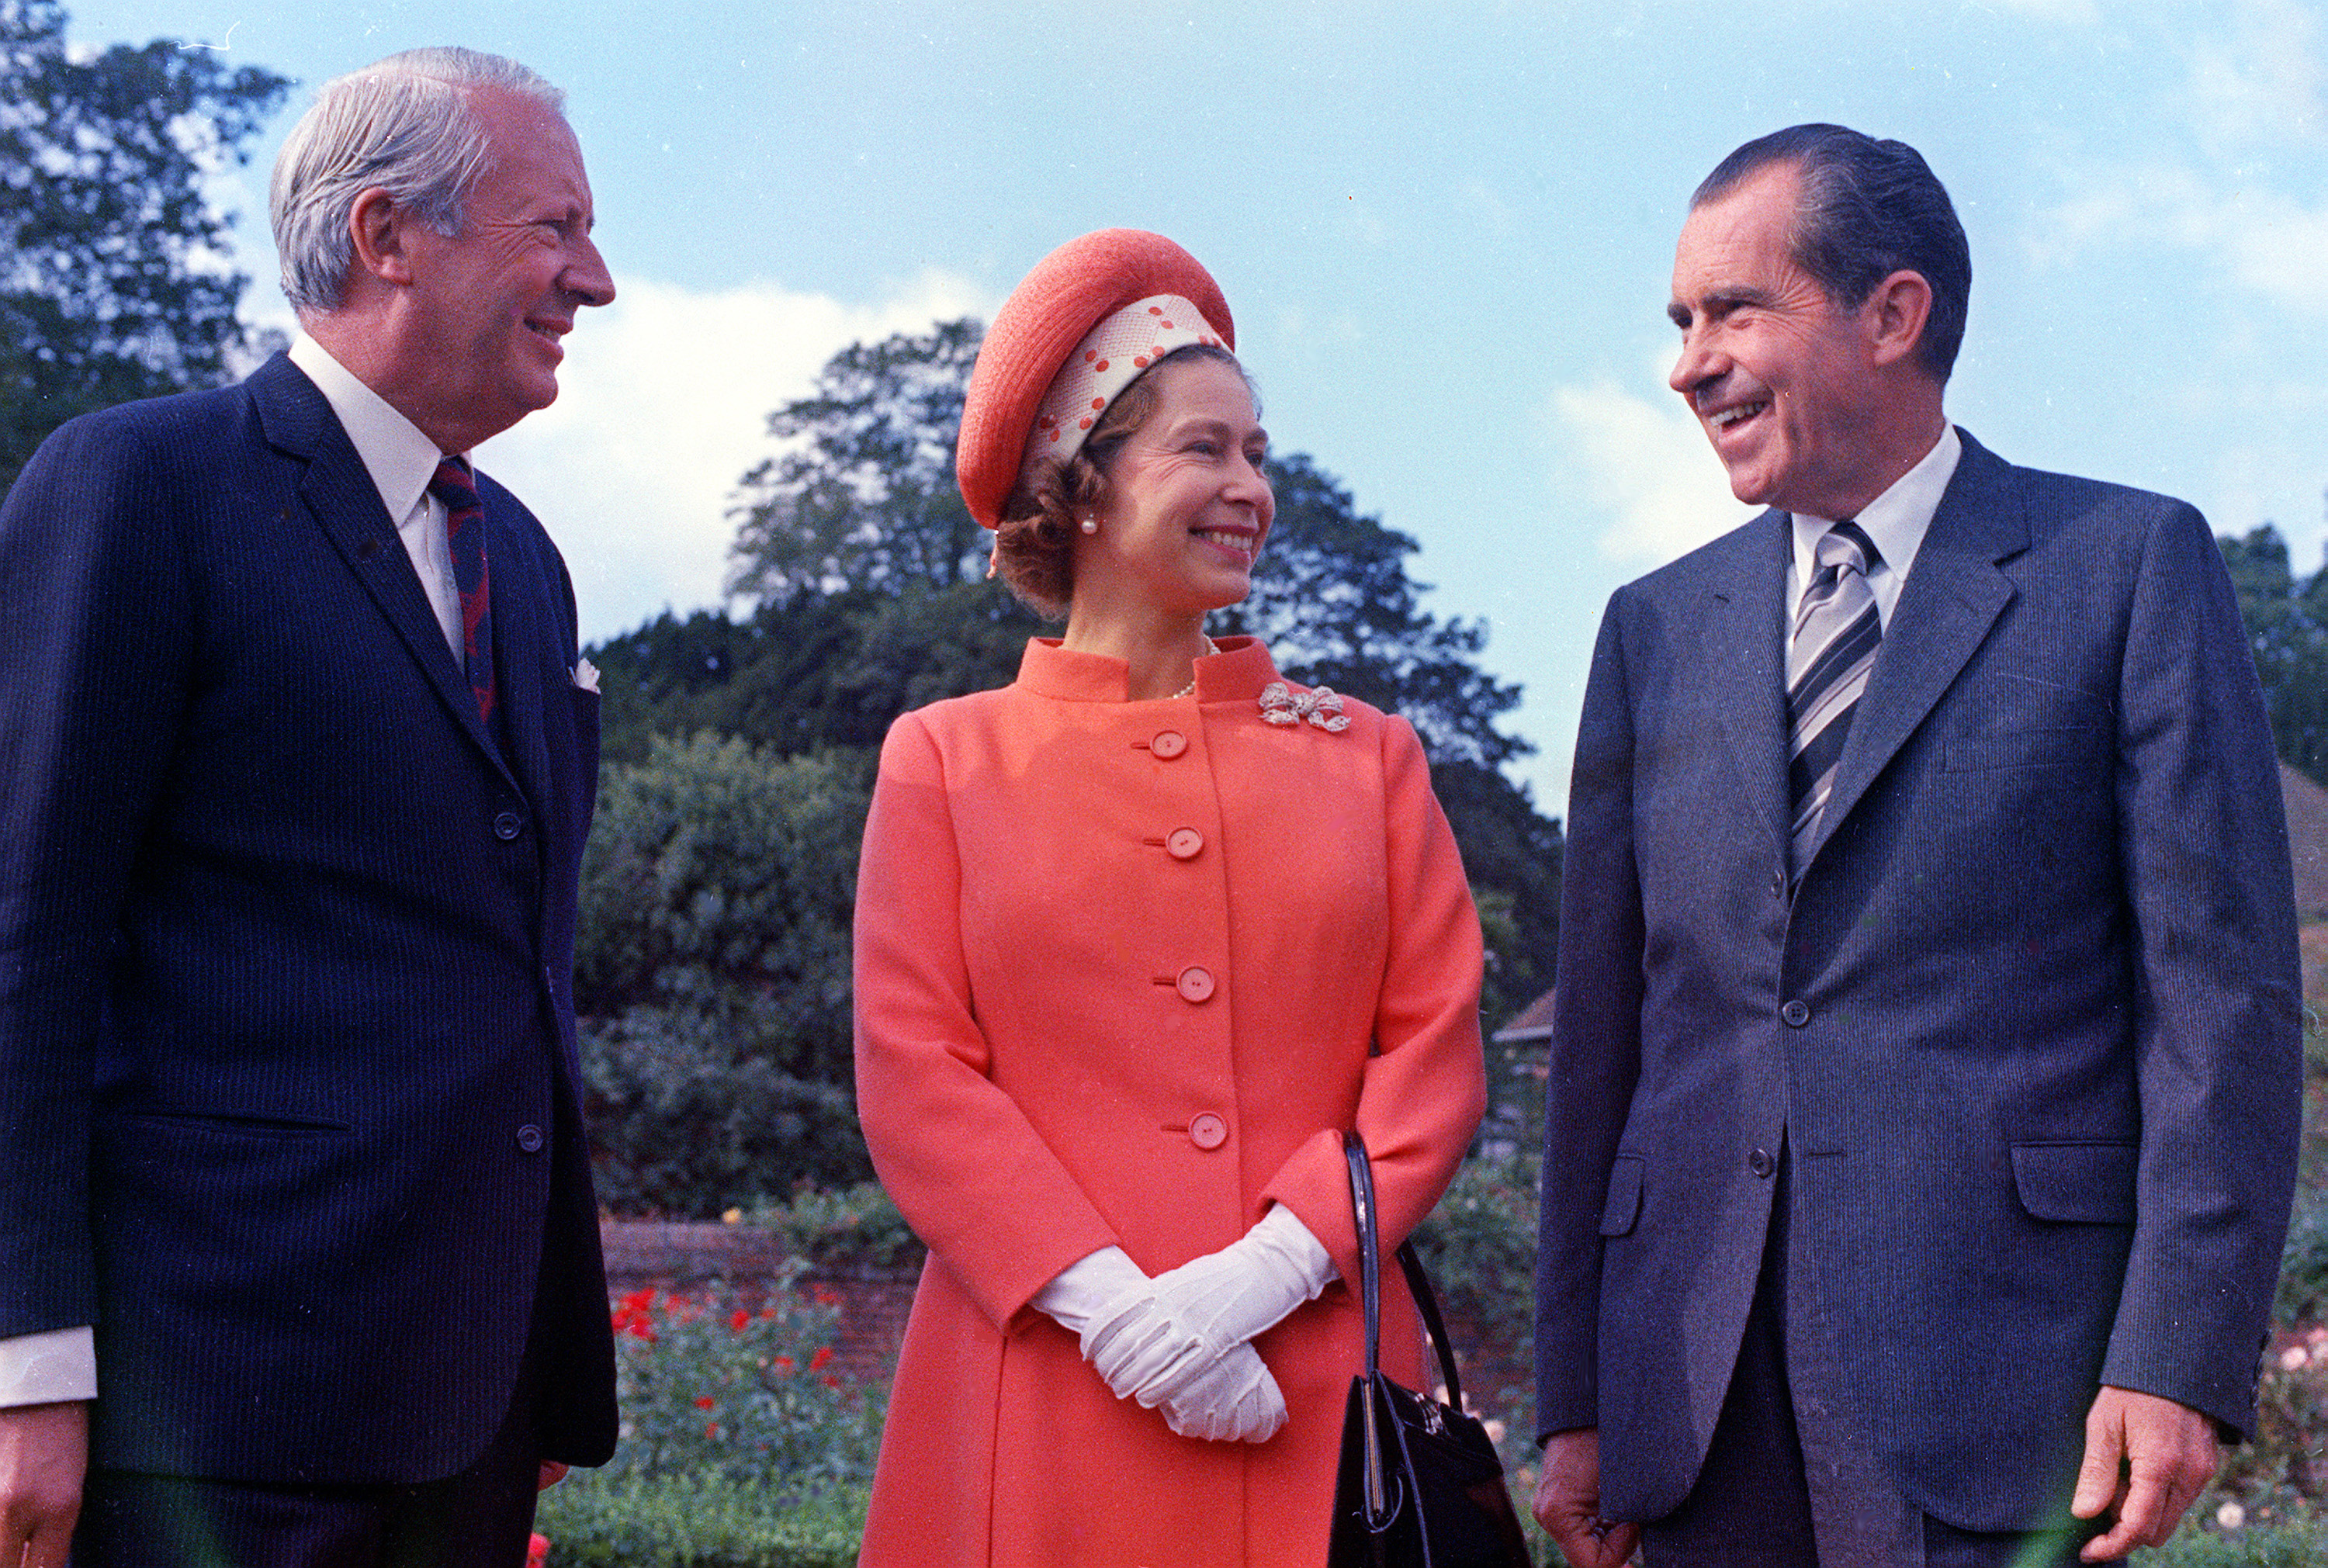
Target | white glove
(1155,1340)
(1077,1293)
(1234,1400)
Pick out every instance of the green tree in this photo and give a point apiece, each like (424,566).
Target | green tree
(2287,628)
(865,497)
(112,280)
(712,972)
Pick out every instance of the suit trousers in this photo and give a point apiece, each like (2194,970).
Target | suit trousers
(481,1517)
(1790,1479)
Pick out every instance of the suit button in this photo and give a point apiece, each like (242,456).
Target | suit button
(1208,1130)
(1195,984)
(508,826)
(1797,1013)
(1778,884)
(1761,1163)
(529,1139)
(1169,743)
(1185,844)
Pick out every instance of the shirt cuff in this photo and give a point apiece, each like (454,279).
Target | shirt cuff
(46,1368)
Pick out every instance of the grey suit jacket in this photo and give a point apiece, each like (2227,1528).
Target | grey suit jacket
(2027,1024)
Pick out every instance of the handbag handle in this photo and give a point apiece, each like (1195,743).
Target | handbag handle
(1426,1300)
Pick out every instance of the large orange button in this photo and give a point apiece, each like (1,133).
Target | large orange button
(1185,844)
(1169,743)
(1206,1131)
(1195,983)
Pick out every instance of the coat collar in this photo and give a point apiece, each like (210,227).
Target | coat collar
(1742,646)
(1236,673)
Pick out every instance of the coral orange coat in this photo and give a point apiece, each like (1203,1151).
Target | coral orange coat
(1124,971)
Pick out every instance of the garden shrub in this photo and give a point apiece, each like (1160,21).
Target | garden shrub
(607,1519)
(846,1230)
(741,1386)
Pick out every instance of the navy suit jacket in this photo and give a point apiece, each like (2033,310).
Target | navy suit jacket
(288,1095)
(2027,1024)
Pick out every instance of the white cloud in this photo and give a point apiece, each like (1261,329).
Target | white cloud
(1650,466)
(2261,82)
(662,407)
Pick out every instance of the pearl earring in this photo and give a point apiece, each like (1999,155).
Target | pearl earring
(1091,525)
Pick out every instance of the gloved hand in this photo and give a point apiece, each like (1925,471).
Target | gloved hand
(1153,1341)
(1234,1400)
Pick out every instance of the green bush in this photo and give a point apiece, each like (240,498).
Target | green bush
(711,970)
(1479,1247)
(741,1387)
(2298,1544)
(605,1519)
(844,1230)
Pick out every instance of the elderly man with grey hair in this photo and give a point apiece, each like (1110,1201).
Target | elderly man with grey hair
(299,1252)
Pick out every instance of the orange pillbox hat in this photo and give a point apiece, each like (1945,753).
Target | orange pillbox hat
(1069,292)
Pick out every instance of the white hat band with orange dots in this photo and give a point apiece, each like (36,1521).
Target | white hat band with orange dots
(1109,359)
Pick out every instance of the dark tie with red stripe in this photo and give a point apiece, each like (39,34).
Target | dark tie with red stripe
(464,532)
(1836,634)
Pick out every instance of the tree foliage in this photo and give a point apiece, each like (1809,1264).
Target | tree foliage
(712,971)
(865,497)
(2287,628)
(113,281)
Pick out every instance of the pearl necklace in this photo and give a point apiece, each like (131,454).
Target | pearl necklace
(1190,689)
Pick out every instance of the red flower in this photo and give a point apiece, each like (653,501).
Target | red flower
(821,1359)
(784,1364)
(712,1429)
(830,1381)
(536,1550)
(739,1321)
(703,1402)
(824,1295)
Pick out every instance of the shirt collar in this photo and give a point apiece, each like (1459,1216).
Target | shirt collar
(1897,519)
(400,460)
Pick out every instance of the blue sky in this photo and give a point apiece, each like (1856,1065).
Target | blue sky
(1446,233)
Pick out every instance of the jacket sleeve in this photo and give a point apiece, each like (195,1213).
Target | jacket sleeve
(963,1163)
(1595,1057)
(2203,842)
(94,611)
(1425,1086)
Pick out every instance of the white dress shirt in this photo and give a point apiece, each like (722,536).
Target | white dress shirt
(1895,522)
(61,1363)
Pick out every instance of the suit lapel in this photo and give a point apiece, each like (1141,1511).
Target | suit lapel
(1744,649)
(519,641)
(1953,594)
(338,490)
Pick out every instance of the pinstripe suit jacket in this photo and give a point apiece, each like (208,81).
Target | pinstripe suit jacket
(288,1103)
(2028,1023)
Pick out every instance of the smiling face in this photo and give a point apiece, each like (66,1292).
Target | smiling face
(491,303)
(1187,504)
(1784,380)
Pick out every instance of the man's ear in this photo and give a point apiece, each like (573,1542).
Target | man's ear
(1895,313)
(381,231)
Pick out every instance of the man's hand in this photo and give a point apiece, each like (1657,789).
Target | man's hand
(1568,1503)
(2146,1458)
(43,1455)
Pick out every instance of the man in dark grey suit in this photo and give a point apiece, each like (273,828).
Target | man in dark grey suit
(298,1256)
(1924,1080)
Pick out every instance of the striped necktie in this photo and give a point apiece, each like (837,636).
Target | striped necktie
(465,534)
(1835,636)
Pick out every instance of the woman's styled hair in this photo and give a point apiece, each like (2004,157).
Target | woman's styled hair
(404,124)
(1034,547)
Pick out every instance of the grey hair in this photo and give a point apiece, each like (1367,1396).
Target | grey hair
(404,124)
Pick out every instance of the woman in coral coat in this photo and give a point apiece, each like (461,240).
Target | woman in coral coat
(1137,937)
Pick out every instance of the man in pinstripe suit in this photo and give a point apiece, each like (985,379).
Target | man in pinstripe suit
(298,1256)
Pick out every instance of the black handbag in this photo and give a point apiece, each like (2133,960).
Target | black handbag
(1420,1485)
